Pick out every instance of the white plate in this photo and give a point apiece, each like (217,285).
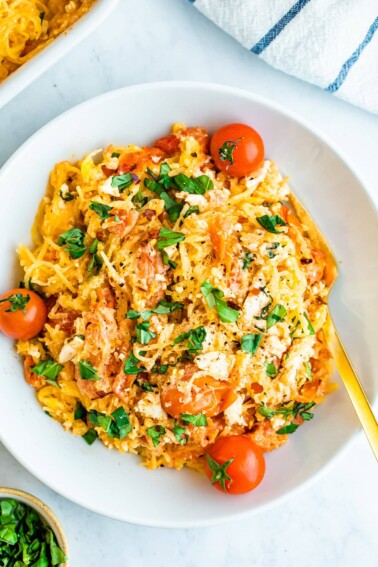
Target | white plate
(114,484)
(37,65)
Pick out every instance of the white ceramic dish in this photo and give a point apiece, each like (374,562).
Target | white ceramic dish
(44,512)
(37,65)
(114,484)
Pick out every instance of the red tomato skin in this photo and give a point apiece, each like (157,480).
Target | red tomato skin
(246,470)
(248,154)
(19,326)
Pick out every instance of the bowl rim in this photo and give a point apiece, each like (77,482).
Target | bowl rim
(281,109)
(39,506)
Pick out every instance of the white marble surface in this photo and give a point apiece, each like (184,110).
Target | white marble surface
(335,521)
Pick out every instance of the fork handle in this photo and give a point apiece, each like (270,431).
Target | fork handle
(352,384)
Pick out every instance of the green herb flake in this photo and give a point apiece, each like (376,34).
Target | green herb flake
(180,433)
(80,411)
(213,297)
(270,249)
(199,420)
(101,210)
(196,186)
(270,369)
(310,328)
(146,386)
(250,343)
(167,261)
(308,371)
(277,314)
(247,259)
(87,372)
(18,302)
(48,369)
(130,366)
(271,222)
(74,240)
(167,237)
(155,433)
(144,336)
(115,155)
(122,182)
(192,211)
(90,436)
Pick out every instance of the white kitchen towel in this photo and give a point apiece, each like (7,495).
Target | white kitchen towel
(331,43)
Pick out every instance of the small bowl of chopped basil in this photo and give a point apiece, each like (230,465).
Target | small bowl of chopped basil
(30,533)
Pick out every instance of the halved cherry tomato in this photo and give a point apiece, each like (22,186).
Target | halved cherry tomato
(207,395)
(237,149)
(22,313)
(235,464)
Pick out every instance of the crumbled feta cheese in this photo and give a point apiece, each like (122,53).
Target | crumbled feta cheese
(234,413)
(70,350)
(107,188)
(150,406)
(215,363)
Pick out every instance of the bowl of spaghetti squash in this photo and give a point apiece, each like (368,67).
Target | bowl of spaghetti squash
(183,304)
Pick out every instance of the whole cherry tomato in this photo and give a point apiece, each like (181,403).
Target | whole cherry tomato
(22,313)
(235,464)
(237,149)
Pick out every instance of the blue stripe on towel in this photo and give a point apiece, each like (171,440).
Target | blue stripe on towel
(267,39)
(336,84)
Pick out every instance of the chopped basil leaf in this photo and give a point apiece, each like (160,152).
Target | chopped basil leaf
(132,314)
(80,411)
(226,151)
(195,339)
(95,265)
(213,297)
(66,196)
(74,239)
(287,429)
(167,261)
(17,301)
(271,222)
(87,372)
(196,186)
(247,259)
(42,16)
(146,387)
(48,368)
(167,237)
(192,210)
(139,199)
(115,155)
(90,436)
(310,328)
(308,371)
(94,246)
(199,420)
(162,369)
(144,336)
(101,210)
(130,365)
(122,422)
(265,411)
(122,182)
(249,343)
(277,314)
(155,433)
(271,369)
(171,206)
(270,249)
(180,433)
(165,307)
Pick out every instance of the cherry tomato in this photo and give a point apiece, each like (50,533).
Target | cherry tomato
(207,395)
(22,313)
(237,149)
(235,464)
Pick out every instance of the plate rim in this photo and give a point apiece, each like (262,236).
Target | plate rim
(282,109)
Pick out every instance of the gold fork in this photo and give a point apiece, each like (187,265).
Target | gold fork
(343,364)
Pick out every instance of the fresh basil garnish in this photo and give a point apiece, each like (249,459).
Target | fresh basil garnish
(250,343)
(74,240)
(271,222)
(213,297)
